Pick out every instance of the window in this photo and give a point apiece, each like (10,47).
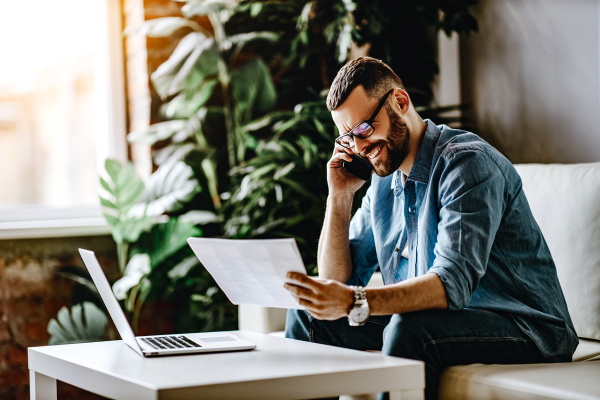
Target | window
(62,113)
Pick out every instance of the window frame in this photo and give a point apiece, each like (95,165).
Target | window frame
(38,221)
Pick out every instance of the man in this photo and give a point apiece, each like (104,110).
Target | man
(468,276)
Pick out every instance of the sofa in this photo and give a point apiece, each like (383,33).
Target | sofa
(565,200)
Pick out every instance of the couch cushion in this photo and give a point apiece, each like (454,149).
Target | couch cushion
(587,350)
(534,381)
(565,201)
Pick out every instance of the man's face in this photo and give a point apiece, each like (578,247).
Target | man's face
(388,146)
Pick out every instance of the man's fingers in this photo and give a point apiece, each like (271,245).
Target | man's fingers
(340,149)
(303,280)
(299,291)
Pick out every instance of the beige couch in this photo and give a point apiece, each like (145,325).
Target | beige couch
(565,200)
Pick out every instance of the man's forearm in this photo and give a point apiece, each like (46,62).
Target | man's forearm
(334,257)
(424,292)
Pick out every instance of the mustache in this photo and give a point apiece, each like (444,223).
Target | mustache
(372,147)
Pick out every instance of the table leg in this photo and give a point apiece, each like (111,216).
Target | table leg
(41,387)
(408,395)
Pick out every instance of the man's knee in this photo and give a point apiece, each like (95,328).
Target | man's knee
(298,326)
(404,336)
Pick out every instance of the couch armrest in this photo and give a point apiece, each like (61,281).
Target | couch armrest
(267,320)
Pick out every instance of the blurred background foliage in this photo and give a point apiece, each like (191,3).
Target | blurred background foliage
(245,136)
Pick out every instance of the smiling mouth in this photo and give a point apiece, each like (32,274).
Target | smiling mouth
(375,153)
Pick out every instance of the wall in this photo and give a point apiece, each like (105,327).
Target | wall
(31,293)
(532,76)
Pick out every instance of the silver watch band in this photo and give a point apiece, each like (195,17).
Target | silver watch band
(359,311)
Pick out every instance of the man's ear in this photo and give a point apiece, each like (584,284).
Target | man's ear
(401,100)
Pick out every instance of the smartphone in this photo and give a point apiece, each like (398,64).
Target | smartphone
(358,167)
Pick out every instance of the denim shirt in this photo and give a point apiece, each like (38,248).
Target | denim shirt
(465,217)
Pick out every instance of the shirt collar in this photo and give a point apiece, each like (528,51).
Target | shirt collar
(422,166)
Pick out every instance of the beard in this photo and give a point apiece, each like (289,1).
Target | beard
(396,144)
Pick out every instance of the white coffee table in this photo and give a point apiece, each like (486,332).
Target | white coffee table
(278,369)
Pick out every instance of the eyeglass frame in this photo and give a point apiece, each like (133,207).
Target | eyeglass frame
(368,121)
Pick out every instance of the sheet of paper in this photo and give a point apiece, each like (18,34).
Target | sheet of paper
(251,271)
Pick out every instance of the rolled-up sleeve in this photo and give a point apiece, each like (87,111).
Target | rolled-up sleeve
(362,244)
(471,204)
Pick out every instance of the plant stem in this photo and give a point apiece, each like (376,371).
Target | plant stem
(224,79)
(135,317)
(122,249)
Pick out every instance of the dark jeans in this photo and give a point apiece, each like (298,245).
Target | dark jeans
(438,338)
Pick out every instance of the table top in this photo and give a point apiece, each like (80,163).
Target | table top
(274,358)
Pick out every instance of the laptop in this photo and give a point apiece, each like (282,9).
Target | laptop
(159,345)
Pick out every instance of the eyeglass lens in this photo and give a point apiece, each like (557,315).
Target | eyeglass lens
(362,131)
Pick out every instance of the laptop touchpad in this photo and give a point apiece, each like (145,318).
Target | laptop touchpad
(218,339)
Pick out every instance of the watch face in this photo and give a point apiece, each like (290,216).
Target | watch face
(359,314)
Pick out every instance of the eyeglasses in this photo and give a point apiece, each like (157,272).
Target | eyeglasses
(363,129)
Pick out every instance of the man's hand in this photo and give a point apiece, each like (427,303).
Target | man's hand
(338,180)
(324,299)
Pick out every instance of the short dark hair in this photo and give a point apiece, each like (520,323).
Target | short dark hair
(374,76)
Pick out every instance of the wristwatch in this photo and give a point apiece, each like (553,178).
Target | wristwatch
(359,311)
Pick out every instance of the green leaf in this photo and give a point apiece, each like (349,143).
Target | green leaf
(267,120)
(195,54)
(157,132)
(168,189)
(177,152)
(181,270)
(80,276)
(199,217)
(137,268)
(86,323)
(188,103)
(255,9)
(243,38)
(195,8)
(161,27)
(106,186)
(210,172)
(284,171)
(252,88)
(112,220)
(107,203)
(123,188)
(113,168)
(166,239)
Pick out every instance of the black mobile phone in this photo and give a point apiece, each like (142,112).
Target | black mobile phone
(358,167)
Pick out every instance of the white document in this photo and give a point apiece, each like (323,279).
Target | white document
(251,271)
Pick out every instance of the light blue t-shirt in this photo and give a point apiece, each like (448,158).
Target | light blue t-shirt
(464,216)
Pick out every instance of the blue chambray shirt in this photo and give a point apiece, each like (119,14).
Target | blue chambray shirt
(466,218)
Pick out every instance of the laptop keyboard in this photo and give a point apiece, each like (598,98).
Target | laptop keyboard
(170,342)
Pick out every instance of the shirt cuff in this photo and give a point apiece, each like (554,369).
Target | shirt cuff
(457,288)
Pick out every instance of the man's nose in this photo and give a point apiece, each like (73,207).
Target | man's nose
(360,144)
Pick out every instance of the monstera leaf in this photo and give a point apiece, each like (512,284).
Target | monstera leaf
(165,239)
(156,132)
(122,188)
(168,189)
(161,27)
(188,102)
(85,323)
(194,59)
(137,268)
(204,7)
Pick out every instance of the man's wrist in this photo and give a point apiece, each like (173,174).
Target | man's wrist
(340,199)
(350,300)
